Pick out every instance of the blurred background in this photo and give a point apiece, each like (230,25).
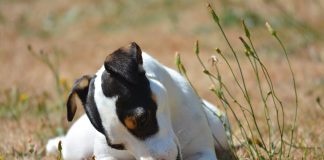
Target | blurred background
(45,45)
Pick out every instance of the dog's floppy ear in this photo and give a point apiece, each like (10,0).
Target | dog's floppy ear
(126,62)
(80,89)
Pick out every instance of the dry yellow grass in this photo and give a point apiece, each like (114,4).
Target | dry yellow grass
(84,32)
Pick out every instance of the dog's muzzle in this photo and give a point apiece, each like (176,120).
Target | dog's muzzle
(179,156)
(173,155)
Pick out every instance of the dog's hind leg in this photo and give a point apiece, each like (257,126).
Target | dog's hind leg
(78,143)
(217,122)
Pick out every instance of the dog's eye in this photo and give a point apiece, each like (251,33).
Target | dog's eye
(143,119)
(138,119)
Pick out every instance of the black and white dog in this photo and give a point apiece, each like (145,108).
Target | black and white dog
(136,108)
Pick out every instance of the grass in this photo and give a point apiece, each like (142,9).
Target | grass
(248,74)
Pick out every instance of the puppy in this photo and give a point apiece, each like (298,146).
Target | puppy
(137,108)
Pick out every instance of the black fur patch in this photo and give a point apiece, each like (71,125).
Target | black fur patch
(125,79)
(133,100)
(125,62)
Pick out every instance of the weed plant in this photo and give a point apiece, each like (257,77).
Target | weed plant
(251,141)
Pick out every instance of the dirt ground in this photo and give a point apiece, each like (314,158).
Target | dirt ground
(80,34)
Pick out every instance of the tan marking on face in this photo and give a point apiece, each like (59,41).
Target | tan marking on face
(154,98)
(108,58)
(130,122)
(73,103)
(84,83)
(126,48)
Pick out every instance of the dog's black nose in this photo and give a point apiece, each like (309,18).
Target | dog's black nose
(141,116)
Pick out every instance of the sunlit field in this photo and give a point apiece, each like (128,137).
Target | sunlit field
(45,45)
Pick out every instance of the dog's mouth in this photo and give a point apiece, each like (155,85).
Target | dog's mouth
(176,155)
(179,156)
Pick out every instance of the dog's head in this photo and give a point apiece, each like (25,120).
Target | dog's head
(127,107)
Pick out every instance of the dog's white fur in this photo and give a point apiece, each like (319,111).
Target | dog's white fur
(184,120)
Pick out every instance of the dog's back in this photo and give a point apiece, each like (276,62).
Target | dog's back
(188,111)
